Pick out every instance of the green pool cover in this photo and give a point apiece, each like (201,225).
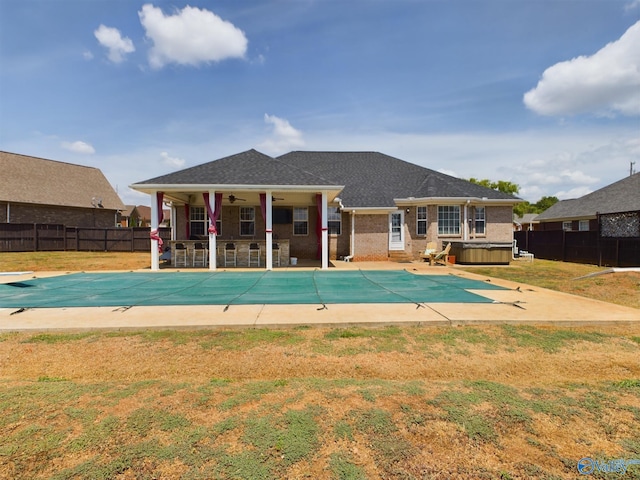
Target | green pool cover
(240,288)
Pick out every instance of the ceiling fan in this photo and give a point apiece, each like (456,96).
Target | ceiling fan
(232,198)
(273,199)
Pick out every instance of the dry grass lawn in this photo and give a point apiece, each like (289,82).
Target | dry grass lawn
(398,403)
(489,402)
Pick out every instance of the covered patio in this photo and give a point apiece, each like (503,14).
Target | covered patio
(242,211)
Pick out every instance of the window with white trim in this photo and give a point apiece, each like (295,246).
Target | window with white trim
(334,220)
(479,220)
(247,221)
(567,226)
(583,225)
(300,221)
(197,221)
(449,220)
(421,221)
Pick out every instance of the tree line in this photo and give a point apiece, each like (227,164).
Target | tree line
(512,189)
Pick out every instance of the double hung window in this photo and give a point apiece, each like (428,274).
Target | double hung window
(247,221)
(449,220)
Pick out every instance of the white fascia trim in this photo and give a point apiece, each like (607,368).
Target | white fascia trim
(369,210)
(455,201)
(146,187)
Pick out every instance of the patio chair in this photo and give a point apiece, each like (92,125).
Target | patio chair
(254,251)
(276,248)
(199,255)
(181,255)
(230,249)
(440,258)
(431,248)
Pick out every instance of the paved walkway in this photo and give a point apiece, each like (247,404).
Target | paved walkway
(520,304)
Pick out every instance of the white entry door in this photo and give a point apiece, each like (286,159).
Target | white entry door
(396,230)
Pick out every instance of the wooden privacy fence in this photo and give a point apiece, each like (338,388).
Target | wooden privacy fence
(581,247)
(40,237)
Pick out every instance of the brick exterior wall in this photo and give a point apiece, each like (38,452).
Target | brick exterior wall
(371,237)
(69,216)
(371,232)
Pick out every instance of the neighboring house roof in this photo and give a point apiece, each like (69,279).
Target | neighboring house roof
(367,179)
(621,196)
(526,218)
(33,180)
(128,211)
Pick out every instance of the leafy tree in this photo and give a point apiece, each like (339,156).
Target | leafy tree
(512,189)
(544,203)
(501,185)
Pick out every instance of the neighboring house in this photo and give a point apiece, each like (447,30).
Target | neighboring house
(36,190)
(377,207)
(526,222)
(140,216)
(617,204)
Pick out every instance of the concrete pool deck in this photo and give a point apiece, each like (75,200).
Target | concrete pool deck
(521,304)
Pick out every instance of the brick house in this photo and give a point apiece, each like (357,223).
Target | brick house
(36,190)
(616,205)
(328,205)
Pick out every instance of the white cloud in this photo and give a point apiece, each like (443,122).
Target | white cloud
(79,147)
(173,162)
(87,55)
(284,136)
(112,40)
(632,5)
(190,37)
(605,83)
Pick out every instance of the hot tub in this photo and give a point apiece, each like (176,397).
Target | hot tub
(482,253)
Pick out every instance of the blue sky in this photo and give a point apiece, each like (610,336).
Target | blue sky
(543,93)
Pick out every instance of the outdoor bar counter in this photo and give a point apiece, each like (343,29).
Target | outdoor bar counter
(477,252)
(241,252)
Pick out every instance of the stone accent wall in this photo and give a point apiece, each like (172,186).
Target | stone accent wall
(68,216)
(620,224)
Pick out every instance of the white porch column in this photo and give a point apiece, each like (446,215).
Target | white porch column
(213,246)
(269,231)
(155,257)
(325,233)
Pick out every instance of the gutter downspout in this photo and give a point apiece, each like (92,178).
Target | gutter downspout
(352,243)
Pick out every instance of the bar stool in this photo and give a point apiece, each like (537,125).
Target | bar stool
(254,250)
(276,248)
(230,249)
(181,255)
(200,256)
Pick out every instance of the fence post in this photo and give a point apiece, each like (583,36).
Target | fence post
(35,237)
(598,251)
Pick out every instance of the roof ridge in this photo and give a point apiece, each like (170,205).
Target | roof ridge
(48,160)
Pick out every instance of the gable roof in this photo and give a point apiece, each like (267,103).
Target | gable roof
(33,180)
(366,179)
(250,168)
(374,179)
(621,196)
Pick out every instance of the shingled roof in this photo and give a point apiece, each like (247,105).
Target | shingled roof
(246,168)
(370,179)
(374,179)
(26,179)
(621,196)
